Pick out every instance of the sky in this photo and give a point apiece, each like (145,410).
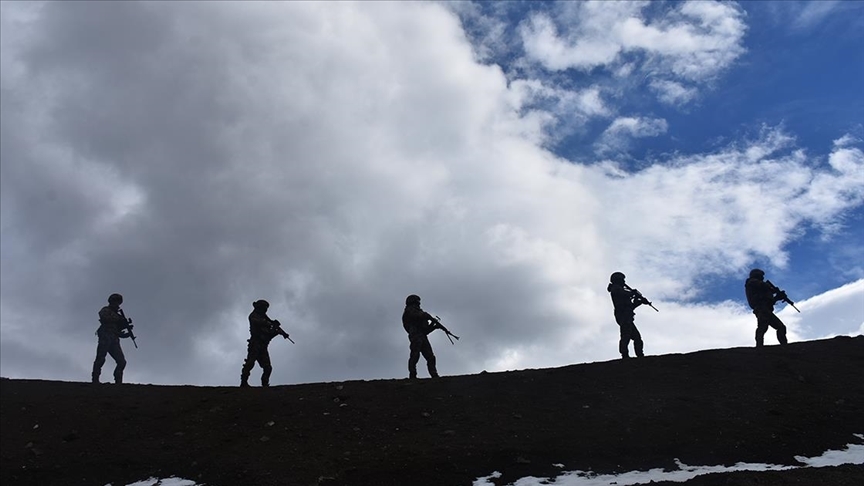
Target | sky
(499,159)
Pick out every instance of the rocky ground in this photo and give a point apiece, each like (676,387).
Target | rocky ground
(715,407)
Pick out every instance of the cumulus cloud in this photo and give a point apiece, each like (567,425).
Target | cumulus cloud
(617,136)
(673,93)
(839,311)
(545,108)
(333,158)
(764,189)
(694,42)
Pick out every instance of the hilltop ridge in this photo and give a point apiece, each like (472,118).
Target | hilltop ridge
(709,407)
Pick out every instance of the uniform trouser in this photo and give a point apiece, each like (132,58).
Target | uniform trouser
(766,319)
(420,345)
(628,333)
(109,345)
(257,352)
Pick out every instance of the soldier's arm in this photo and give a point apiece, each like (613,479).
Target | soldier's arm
(780,296)
(261,324)
(431,322)
(621,299)
(108,315)
(277,330)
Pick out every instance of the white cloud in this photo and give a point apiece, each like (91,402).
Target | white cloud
(638,127)
(544,107)
(673,93)
(617,136)
(813,13)
(694,41)
(836,312)
(846,140)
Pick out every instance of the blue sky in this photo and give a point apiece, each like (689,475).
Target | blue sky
(500,159)
(801,69)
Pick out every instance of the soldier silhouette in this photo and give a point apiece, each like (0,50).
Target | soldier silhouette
(626,300)
(113,325)
(761,296)
(418,324)
(262,330)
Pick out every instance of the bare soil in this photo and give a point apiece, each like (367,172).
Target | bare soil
(706,408)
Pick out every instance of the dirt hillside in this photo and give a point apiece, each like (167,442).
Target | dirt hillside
(715,407)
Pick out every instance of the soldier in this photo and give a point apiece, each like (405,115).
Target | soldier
(113,325)
(418,324)
(762,296)
(625,301)
(261,329)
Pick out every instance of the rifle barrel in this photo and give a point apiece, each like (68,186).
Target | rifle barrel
(449,334)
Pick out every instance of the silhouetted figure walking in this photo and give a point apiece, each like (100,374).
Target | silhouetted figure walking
(762,295)
(418,324)
(262,330)
(625,300)
(113,325)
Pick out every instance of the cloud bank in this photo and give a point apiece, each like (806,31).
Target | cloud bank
(334,158)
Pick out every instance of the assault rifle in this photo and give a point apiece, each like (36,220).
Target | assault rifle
(436,321)
(128,328)
(277,327)
(782,295)
(641,298)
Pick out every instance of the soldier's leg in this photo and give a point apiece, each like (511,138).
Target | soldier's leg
(761,328)
(248,363)
(264,363)
(637,341)
(624,341)
(429,356)
(116,352)
(777,324)
(413,357)
(101,352)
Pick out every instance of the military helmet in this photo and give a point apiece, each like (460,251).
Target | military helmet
(617,277)
(412,300)
(115,298)
(261,304)
(757,273)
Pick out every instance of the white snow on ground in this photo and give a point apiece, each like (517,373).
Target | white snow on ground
(164,482)
(853,454)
